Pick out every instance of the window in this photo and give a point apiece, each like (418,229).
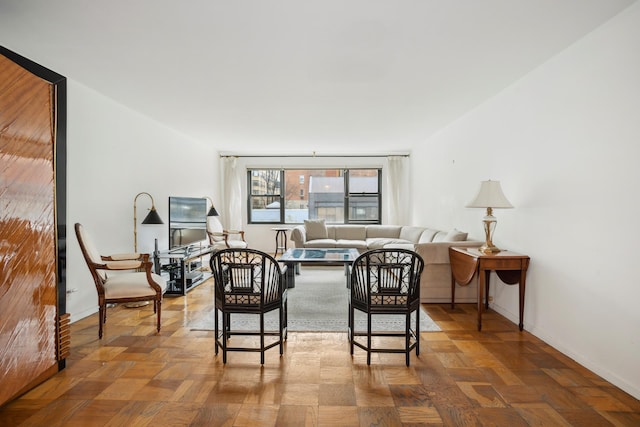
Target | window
(289,196)
(265,188)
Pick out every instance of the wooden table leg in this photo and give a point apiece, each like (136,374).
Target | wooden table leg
(481,288)
(523,275)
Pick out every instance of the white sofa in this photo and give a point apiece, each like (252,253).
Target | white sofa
(431,244)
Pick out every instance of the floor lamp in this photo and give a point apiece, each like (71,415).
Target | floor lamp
(151,218)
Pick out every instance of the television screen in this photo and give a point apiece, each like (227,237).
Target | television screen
(187,221)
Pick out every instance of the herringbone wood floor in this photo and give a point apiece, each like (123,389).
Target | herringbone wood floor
(499,377)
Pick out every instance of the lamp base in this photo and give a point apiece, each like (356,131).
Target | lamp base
(489,249)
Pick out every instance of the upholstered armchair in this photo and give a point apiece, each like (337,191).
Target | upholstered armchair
(220,238)
(121,278)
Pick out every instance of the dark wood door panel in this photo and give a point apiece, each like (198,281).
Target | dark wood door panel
(28,261)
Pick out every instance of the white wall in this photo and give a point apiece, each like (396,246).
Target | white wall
(114,153)
(565,142)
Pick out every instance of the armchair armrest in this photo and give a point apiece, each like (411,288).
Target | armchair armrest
(240,232)
(122,265)
(299,236)
(122,257)
(125,264)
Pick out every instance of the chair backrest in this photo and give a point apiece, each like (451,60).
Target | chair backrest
(246,277)
(386,277)
(214,229)
(90,253)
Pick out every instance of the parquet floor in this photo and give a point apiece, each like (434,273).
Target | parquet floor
(132,377)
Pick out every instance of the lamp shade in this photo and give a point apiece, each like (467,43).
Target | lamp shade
(152,218)
(490,196)
(212,211)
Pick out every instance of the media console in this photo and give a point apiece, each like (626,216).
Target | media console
(184,267)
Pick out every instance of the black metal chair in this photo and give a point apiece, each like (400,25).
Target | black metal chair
(251,282)
(386,282)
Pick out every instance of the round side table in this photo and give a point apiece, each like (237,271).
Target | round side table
(281,239)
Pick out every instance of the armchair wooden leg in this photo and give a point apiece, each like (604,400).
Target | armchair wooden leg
(101,319)
(368,338)
(215,328)
(418,332)
(158,310)
(281,331)
(225,326)
(262,338)
(407,337)
(351,331)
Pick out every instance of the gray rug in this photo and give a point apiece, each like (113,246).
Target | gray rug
(318,303)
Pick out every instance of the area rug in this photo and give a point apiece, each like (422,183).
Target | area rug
(318,303)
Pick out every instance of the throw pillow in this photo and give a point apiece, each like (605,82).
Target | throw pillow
(316,229)
(456,236)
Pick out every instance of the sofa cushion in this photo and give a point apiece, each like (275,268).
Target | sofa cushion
(379,242)
(451,236)
(345,243)
(351,232)
(320,243)
(456,236)
(412,234)
(427,235)
(316,229)
(439,237)
(389,231)
(407,246)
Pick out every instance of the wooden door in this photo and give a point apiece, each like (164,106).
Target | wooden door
(31,347)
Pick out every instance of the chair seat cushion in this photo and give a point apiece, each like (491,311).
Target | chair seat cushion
(132,285)
(237,244)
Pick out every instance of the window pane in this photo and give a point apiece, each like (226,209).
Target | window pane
(265,209)
(363,181)
(363,208)
(315,194)
(265,181)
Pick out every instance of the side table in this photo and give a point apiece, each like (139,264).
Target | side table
(510,267)
(281,239)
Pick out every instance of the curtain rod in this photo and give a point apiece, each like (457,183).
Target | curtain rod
(316,155)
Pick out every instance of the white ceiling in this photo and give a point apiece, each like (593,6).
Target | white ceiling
(325,75)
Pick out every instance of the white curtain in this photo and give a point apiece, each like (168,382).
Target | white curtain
(397,206)
(232,215)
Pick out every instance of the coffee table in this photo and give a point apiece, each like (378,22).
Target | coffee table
(295,256)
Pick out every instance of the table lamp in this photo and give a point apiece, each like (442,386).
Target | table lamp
(490,196)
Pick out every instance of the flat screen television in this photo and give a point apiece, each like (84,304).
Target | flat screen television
(187,221)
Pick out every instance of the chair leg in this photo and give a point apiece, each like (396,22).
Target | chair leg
(159,311)
(225,326)
(407,336)
(368,338)
(215,328)
(262,338)
(281,328)
(351,323)
(418,332)
(101,319)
